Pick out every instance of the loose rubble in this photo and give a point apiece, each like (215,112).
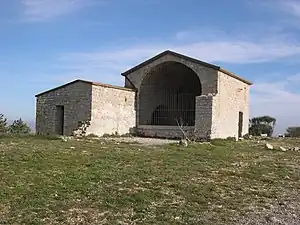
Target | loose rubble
(269,146)
(283,149)
(65,138)
(183,142)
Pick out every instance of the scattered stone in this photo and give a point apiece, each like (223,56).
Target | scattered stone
(183,142)
(283,149)
(81,129)
(65,138)
(240,164)
(269,146)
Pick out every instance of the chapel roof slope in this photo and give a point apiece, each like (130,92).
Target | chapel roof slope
(87,82)
(168,52)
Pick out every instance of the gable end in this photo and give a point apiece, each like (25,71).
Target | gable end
(168,52)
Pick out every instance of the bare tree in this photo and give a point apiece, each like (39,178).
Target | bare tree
(181,125)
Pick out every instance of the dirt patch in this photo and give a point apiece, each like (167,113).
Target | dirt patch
(141,140)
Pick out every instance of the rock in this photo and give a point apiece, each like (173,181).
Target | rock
(77,133)
(269,146)
(183,142)
(283,149)
(296,149)
(64,139)
(72,147)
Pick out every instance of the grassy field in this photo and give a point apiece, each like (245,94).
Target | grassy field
(105,182)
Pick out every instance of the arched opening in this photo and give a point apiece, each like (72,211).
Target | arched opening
(160,116)
(168,95)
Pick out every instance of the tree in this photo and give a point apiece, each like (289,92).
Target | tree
(3,124)
(19,127)
(262,125)
(293,132)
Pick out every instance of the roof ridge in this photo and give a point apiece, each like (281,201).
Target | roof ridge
(85,81)
(176,54)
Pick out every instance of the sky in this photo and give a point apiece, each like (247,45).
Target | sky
(46,43)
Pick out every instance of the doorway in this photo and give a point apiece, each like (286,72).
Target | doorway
(59,120)
(240,125)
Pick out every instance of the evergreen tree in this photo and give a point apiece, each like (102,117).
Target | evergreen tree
(293,132)
(19,127)
(3,124)
(262,125)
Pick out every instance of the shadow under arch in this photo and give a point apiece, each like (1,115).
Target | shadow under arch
(168,93)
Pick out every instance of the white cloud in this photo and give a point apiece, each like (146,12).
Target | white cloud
(41,10)
(276,99)
(294,78)
(290,6)
(115,61)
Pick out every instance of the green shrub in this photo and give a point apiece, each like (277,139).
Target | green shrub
(19,127)
(3,124)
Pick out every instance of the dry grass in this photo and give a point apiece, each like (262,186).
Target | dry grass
(106,182)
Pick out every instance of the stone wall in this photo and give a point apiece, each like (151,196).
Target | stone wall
(207,76)
(204,115)
(76,99)
(163,131)
(217,109)
(233,97)
(113,110)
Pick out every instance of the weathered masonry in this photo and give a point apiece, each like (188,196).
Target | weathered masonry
(162,95)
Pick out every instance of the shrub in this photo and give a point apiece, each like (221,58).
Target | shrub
(293,132)
(19,127)
(3,124)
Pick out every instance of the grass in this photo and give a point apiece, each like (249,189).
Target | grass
(104,182)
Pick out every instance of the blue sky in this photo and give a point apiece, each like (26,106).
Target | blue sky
(45,43)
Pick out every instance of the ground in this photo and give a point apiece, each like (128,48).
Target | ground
(112,181)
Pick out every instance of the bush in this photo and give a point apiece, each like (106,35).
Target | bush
(19,127)
(293,132)
(3,124)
